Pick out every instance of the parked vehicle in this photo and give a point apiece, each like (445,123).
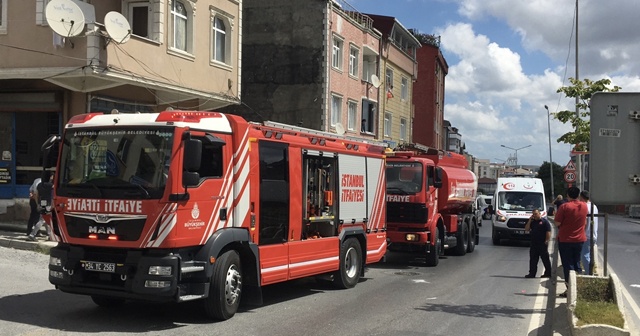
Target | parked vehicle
(430,198)
(179,206)
(484,208)
(514,200)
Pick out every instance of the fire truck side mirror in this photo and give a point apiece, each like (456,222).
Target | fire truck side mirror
(50,151)
(437,179)
(191,162)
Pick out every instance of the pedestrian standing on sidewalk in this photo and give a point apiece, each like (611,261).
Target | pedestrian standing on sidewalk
(540,229)
(586,247)
(34,216)
(570,220)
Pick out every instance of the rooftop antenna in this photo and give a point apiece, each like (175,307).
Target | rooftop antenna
(117,26)
(67,18)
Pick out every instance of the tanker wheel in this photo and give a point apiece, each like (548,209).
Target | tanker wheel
(433,257)
(462,238)
(226,287)
(471,246)
(107,301)
(350,264)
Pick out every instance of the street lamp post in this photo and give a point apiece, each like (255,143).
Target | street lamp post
(516,150)
(550,156)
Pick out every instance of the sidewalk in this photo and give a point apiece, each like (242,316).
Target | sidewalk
(12,235)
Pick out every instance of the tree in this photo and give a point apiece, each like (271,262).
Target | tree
(580,122)
(559,186)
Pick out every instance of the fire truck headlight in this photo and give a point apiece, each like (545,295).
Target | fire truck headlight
(56,274)
(411,237)
(159,270)
(157,284)
(55,261)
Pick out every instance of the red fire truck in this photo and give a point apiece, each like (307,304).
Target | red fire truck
(430,195)
(180,205)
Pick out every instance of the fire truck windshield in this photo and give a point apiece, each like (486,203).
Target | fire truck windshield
(404,178)
(125,163)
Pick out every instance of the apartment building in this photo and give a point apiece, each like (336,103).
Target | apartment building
(311,63)
(180,54)
(428,92)
(399,67)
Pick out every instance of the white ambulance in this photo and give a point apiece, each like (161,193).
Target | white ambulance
(513,202)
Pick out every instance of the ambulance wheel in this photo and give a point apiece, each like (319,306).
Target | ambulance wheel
(107,301)
(462,239)
(471,246)
(495,238)
(226,287)
(433,257)
(350,264)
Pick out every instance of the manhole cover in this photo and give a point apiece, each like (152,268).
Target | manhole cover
(407,273)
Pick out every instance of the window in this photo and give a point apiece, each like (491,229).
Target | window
(336,59)
(387,124)
(274,192)
(211,161)
(219,43)
(3,16)
(139,18)
(353,108)
(389,80)
(180,27)
(354,55)
(404,88)
(369,116)
(403,129)
(336,109)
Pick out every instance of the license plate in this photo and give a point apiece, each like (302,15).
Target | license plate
(520,231)
(95,266)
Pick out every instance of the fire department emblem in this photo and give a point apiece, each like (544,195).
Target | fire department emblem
(195,212)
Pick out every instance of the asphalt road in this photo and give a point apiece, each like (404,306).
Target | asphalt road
(482,293)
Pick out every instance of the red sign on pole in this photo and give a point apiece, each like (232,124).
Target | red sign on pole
(569,177)
(570,166)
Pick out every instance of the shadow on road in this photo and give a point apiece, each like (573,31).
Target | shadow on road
(481,311)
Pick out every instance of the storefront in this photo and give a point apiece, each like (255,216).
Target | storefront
(27,119)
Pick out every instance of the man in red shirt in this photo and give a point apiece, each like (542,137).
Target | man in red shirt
(570,220)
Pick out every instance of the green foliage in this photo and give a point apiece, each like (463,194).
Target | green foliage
(559,187)
(584,90)
(595,303)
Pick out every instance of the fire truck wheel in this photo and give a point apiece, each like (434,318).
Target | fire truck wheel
(350,264)
(226,287)
(106,301)
(462,239)
(433,257)
(471,246)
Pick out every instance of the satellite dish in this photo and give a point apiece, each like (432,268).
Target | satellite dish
(375,81)
(117,27)
(339,129)
(65,17)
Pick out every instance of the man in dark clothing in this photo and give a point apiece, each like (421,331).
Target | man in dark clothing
(540,229)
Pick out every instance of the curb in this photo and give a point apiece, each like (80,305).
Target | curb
(42,247)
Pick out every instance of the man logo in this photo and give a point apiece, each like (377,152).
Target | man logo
(102,229)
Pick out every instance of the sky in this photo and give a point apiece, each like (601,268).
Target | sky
(507,58)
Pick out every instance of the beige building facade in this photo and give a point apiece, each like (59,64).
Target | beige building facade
(180,54)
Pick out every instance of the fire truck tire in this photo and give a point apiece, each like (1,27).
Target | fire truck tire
(433,257)
(462,240)
(107,301)
(350,264)
(471,246)
(226,287)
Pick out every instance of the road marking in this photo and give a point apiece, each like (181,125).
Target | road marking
(539,306)
(420,281)
(634,285)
